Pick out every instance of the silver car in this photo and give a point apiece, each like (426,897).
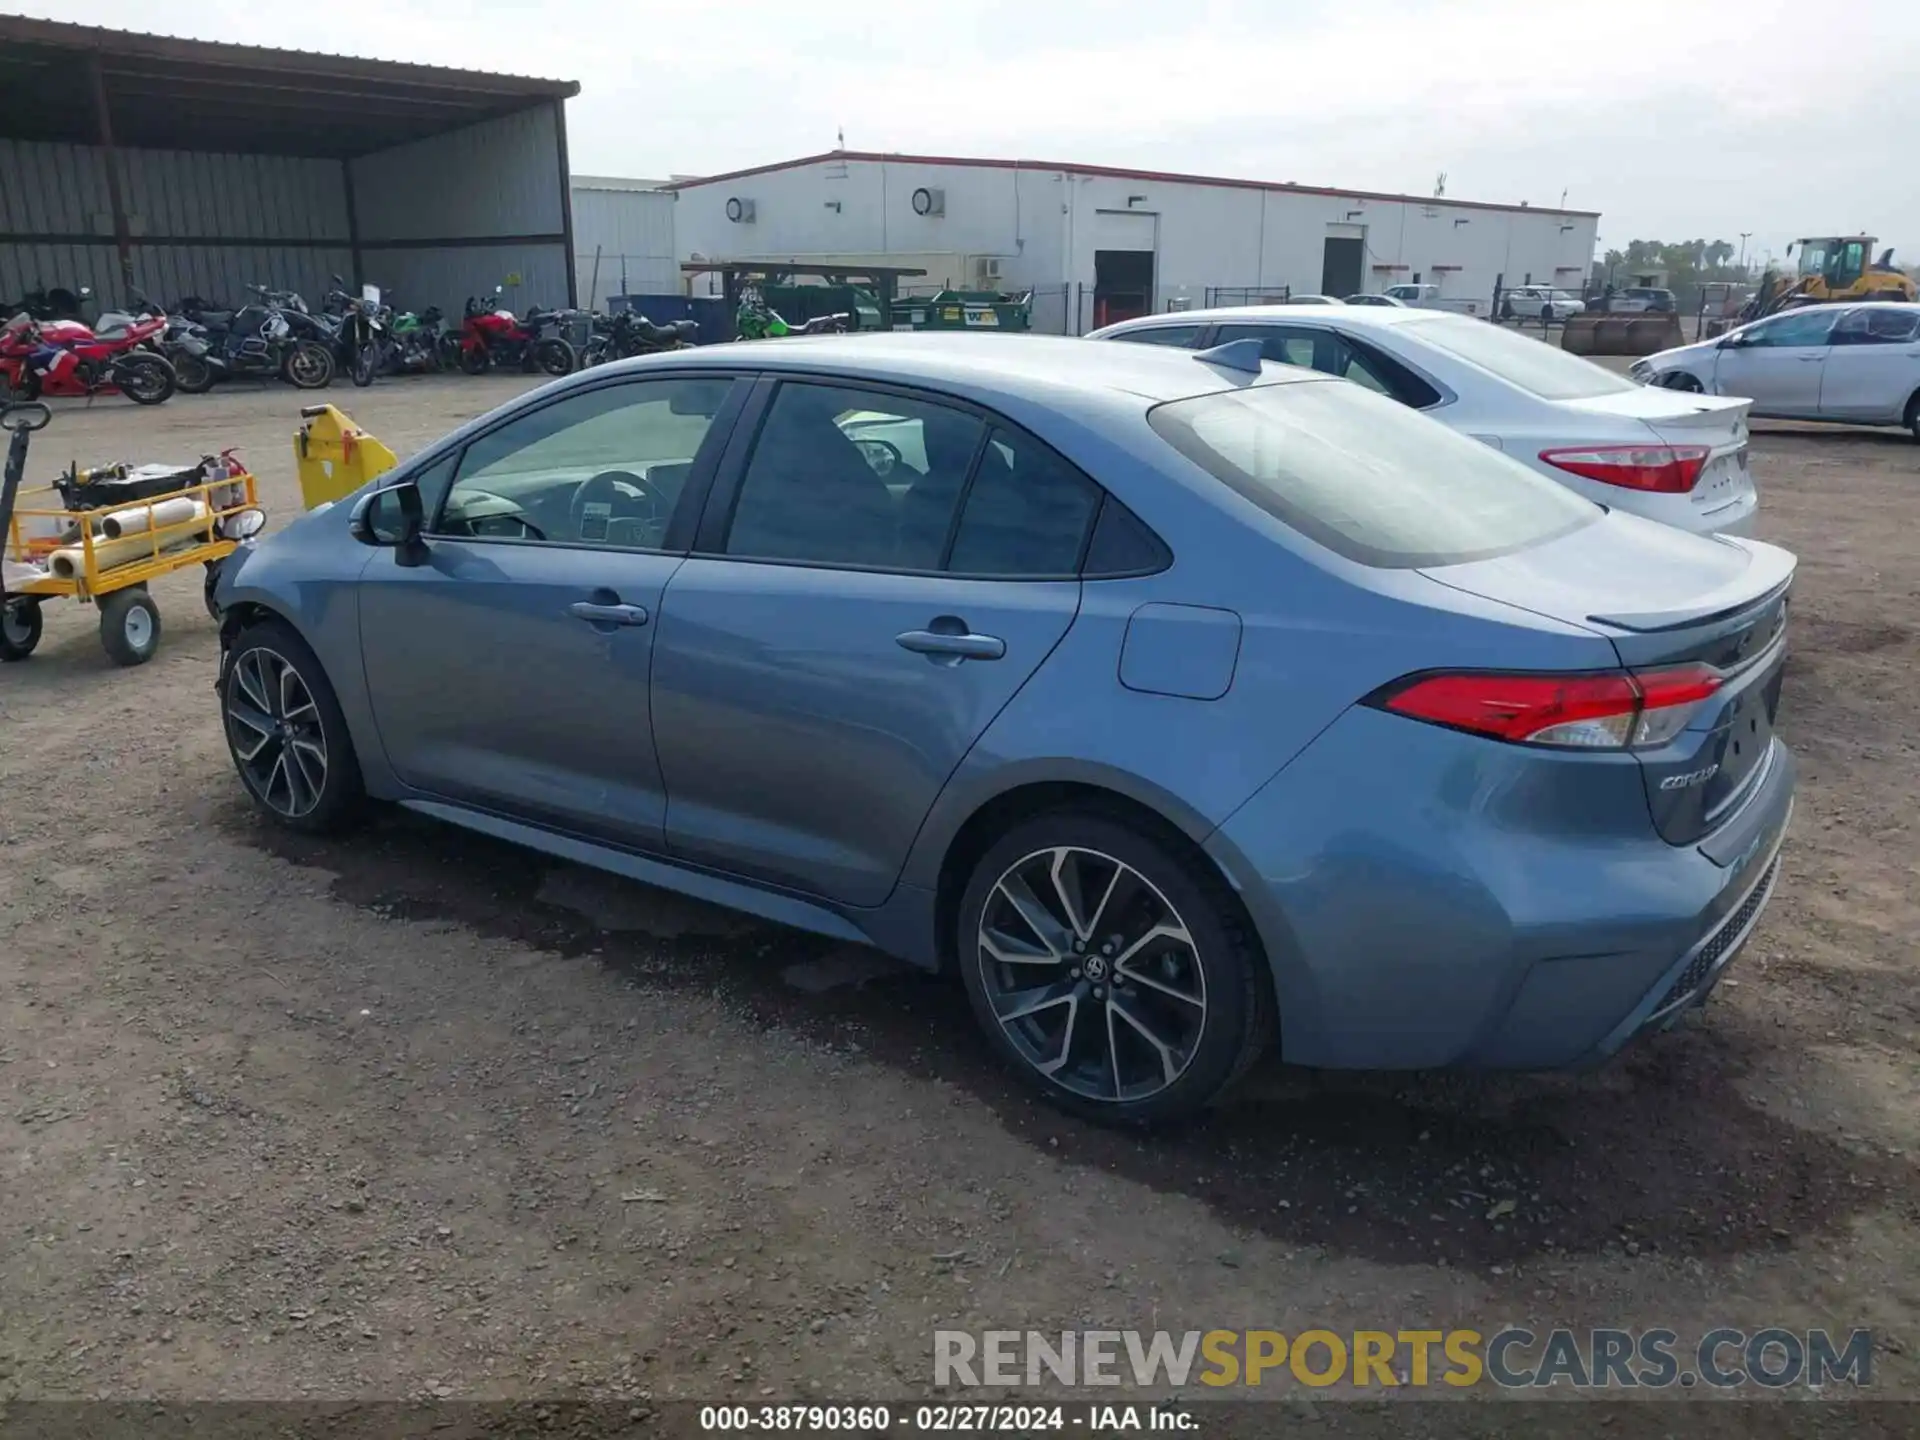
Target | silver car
(1679,459)
(1852,364)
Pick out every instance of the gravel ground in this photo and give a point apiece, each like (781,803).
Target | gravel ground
(416,1115)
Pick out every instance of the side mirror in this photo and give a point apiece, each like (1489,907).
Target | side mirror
(392,518)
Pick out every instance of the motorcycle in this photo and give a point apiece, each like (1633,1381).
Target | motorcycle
(493,335)
(57,303)
(275,336)
(65,357)
(420,343)
(757,320)
(361,337)
(622,336)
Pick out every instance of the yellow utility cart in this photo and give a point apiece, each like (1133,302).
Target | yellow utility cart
(75,540)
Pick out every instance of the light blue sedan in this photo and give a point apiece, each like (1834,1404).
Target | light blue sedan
(1187,707)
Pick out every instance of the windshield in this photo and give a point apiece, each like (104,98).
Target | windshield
(1368,478)
(1532,365)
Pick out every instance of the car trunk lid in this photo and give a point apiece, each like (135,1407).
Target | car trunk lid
(1665,598)
(1683,417)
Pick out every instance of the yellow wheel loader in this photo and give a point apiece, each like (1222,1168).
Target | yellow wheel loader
(1832,268)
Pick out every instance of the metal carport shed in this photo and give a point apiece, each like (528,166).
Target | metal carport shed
(190,168)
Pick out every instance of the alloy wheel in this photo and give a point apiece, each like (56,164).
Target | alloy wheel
(1092,975)
(307,367)
(274,728)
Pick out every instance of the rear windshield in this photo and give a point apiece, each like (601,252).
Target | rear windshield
(1533,365)
(1368,478)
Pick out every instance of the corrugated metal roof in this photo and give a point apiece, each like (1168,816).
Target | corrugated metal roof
(1119,172)
(615,182)
(169,93)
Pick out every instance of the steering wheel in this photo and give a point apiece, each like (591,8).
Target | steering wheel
(598,499)
(882,456)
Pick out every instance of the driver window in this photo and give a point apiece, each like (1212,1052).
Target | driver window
(1808,327)
(601,467)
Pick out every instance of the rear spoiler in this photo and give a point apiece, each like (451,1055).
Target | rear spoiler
(1770,575)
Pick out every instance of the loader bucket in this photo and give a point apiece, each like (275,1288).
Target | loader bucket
(1603,334)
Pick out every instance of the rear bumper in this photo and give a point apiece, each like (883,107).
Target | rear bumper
(1485,910)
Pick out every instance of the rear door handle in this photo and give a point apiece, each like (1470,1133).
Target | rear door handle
(608,614)
(1811,359)
(942,646)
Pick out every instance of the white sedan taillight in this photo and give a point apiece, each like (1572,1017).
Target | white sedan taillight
(1660,469)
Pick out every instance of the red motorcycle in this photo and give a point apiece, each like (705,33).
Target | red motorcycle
(63,357)
(492,335)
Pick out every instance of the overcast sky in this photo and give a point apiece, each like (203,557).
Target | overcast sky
(1676,120)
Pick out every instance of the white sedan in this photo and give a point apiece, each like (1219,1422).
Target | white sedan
(1535,302)
(1851,364)
(1668,455)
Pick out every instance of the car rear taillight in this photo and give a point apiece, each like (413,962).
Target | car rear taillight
(1610,711)
(1662,469)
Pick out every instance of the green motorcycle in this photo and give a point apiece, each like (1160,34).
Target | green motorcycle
(757,320)
(421,343)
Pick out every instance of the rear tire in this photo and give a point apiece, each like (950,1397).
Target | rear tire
(145,378)
(1913,415)
(287,737)
(129,626)
(556,357)
(192,374)
(1142,1008)
(20,627)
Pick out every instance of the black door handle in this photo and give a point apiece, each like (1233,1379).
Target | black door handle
(608,614)
(952,647)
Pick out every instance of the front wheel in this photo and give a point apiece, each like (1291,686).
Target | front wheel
(309,366)
(473,359)
(20,626)
(1112,971)
(286,732)
(145,378)
(129,626)
(366,360)
(1681,380)
(1913,415)
(556,357)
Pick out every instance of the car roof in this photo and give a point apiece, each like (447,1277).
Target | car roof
(1362,315)
(986,367)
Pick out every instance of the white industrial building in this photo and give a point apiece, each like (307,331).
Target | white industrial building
(1097,244)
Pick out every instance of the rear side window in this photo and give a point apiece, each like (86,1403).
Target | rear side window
(1532,365)
(1027,512)
(1367,478)
(1181,335)
(1334,353)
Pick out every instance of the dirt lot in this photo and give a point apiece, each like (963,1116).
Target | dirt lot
(414,1114)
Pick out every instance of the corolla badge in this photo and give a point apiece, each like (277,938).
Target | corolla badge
(1692,777)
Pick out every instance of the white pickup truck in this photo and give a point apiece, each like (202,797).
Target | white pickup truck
(1428,297)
